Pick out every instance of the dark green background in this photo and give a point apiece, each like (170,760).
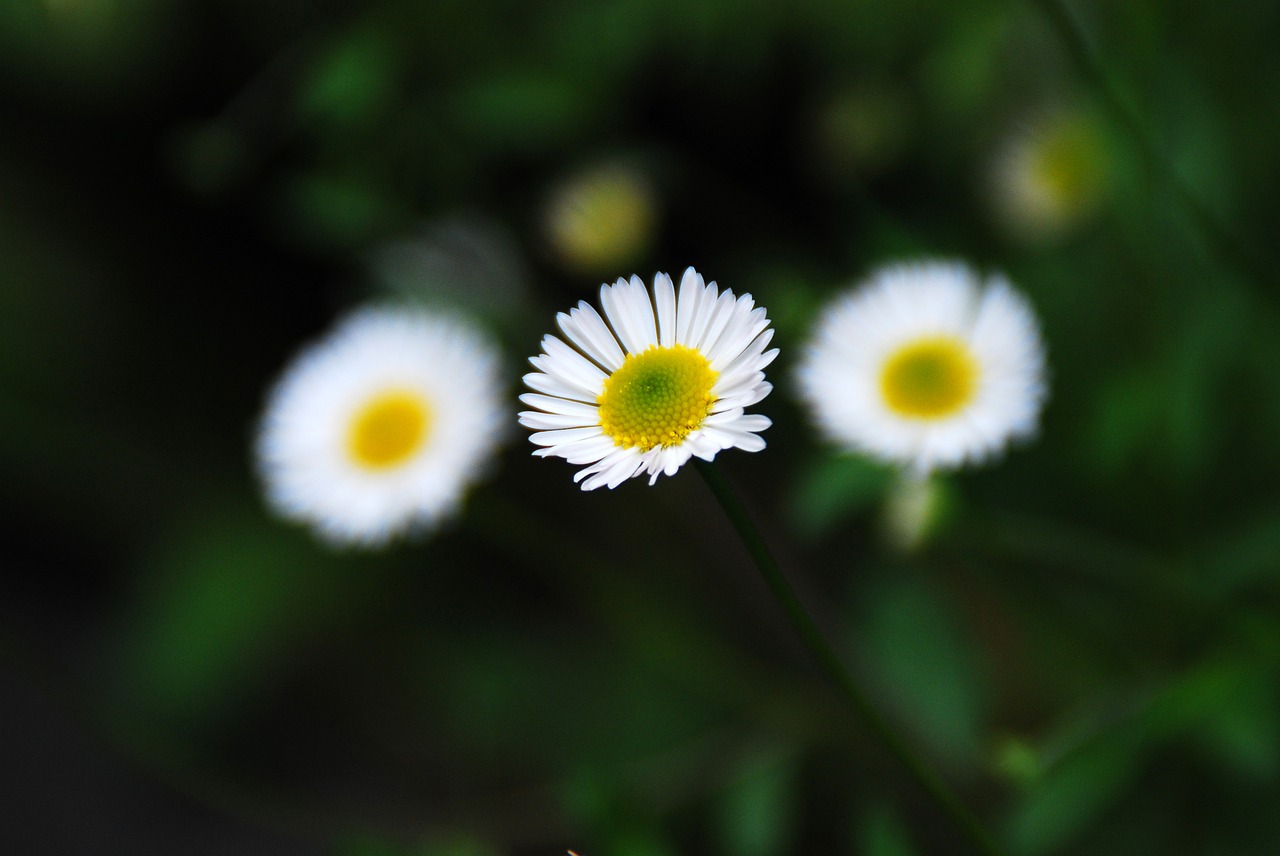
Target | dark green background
(1086,645)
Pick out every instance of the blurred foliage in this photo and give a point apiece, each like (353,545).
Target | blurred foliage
(1082,637)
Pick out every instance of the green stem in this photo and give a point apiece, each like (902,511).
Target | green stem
(830,663)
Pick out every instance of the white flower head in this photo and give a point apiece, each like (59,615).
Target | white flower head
(653,382)
(381,426)
(927,365)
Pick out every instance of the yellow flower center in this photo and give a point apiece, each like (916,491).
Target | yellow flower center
(388,430)
(657,397)
(929,378)
(1068,166)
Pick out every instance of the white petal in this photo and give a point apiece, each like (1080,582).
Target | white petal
(721,314)
(554,386)
(640,310)
(739,316)
(687,304)
(586,451)
(620,310)
(754,423)
(561,406)
(565,435)
(538,421)
(570,366)
(747,358)
(728,438)
(664,299)
(706,311)
(586,329)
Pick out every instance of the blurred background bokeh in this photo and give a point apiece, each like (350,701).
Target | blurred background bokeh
(1083,638)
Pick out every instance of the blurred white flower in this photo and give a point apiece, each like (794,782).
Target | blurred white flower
(926,365)
(381,426)
(670,380)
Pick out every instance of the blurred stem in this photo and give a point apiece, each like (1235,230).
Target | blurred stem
(830,662)
(1091,68)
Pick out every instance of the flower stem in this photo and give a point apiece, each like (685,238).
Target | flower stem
(835,670)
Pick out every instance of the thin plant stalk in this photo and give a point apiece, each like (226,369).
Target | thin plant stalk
(831,665)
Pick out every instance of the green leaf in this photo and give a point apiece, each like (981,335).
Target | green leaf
(1243,735)
(830,490)
(521,110)
(226,601)
(927,666)
(355,80)
(1074,794)
(757,812)
(882,833)
(1242,558)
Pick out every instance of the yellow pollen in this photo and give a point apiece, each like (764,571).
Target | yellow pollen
(931,378)
(657,397)
(388,429)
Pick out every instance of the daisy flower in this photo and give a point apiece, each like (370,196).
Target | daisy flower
(653,382)
(926,365)
(381,426)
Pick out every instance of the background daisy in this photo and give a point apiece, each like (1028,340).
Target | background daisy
(926,365)
(663,380)
(381,426)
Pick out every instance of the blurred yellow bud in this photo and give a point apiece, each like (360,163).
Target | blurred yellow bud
(912,510)
(602,219)
(1051,176)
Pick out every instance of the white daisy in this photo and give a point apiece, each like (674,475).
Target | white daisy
(926,365)
(666,378)
(380,427)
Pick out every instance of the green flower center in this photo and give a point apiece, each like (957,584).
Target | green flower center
(929,378)
(657,397)
(388,430)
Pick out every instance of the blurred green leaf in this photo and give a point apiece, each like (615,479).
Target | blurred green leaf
(1195,697)
(965,70)
(1243,734)
(519,111)
(830,490)
(1241,558)
(599,42)
(324,210)
(355,80)
(926,665)
(882,832)
(1073,795)
(225,602)
(1017,761)
(757,813)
